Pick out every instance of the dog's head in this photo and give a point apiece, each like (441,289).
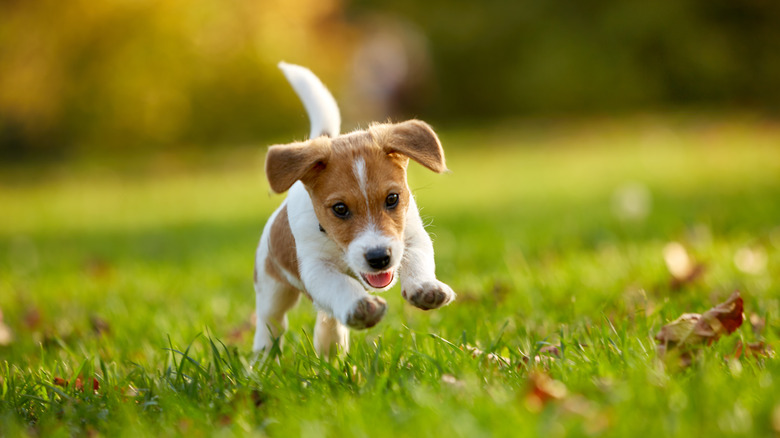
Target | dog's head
(357,183)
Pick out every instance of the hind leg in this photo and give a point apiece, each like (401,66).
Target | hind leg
(273,300)
(330,336)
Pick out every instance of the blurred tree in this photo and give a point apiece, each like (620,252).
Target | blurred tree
(499,57)
(121,73)
(144,73)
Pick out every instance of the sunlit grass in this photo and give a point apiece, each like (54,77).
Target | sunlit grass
(141,278)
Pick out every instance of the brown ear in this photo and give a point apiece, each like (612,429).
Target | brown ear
(416,140)
(288,163)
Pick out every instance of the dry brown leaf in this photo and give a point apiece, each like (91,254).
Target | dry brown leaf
(78,384)
(680,265)
(692,330)
(543,389)
(724,318)
(752,349)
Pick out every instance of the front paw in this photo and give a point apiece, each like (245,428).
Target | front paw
(367,312)
(429,295)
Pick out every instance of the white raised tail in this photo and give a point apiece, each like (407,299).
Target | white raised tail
(323,111)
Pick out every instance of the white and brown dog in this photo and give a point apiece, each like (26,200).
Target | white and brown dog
(349,223)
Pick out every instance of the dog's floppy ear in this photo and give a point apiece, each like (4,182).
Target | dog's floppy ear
(288,163)
(416,140)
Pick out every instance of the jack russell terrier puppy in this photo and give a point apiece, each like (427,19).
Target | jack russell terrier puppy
(349,223)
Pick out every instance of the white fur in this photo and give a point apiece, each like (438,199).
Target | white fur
(359,168)
(368,239)
(418,265)
(324,272)
(320,105)
(330,334)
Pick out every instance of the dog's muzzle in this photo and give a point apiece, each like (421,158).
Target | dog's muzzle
(378,258)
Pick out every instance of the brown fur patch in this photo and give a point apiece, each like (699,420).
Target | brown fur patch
(288,163)
(415,139)
(338,183)
(281,246)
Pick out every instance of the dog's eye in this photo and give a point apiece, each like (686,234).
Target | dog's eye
(392,200)
(341,210)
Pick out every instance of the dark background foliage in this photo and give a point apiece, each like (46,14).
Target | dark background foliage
(118,75)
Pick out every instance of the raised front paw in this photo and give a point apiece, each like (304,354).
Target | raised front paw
(367,312)
(429,295)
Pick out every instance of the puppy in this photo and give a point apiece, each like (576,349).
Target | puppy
(349,223)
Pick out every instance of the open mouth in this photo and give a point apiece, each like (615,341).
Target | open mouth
(380,279)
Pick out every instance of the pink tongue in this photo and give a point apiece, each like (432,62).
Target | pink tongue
(379,280)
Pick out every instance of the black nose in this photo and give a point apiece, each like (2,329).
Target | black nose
(378,258)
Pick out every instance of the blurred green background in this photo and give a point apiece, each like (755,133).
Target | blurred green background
(585,138)
(134,75)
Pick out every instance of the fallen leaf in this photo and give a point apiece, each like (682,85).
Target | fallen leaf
(724,318)
(752,349)
(680,265)
(692,330)
(78,384)
(543,389)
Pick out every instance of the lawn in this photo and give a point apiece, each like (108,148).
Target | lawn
(126,288)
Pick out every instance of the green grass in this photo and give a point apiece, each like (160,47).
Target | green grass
(139,276)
